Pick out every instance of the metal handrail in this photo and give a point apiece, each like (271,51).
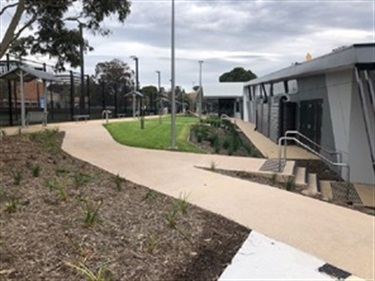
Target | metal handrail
(331,152)
(340,165)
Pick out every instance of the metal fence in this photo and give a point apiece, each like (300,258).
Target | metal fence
(65,99)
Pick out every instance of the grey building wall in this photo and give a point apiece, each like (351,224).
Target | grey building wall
(359,151)
(311,88)
(274,122)
(265,119)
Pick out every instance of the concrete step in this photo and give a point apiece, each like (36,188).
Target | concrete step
(300,178)
(326,190)
(312,185)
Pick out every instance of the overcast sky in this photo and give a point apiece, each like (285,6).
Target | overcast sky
(263,36)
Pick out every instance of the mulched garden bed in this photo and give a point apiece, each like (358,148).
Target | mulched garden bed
(61,218)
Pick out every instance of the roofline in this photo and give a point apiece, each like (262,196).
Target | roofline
(340,58)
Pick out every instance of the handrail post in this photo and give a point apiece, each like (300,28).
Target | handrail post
(280,154)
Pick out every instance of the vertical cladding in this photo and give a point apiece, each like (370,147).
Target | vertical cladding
(275,115)
(265,124)
(311,88)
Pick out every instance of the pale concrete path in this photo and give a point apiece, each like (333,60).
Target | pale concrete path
(337,235)
(268,148)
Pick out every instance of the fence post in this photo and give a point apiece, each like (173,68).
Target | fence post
(9,95)
(88,93)
(71,95)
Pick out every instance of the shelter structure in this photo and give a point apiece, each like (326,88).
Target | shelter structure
(23,73)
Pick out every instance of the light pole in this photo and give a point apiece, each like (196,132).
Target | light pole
(200,90)
(160,97)
(173,107)
(82,66)
(137,89)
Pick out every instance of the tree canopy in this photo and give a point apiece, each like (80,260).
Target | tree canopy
(237,74)
(54,28)
(115,74)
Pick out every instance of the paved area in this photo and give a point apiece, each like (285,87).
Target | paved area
(263,258)
(267,147)
(339,236)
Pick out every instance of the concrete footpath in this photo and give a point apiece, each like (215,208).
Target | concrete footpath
(337,235)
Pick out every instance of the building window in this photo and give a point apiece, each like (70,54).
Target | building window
(292,86)
(278,88)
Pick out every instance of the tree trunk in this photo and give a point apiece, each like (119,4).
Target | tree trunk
(9,34)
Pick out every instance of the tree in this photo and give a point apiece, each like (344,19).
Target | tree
(116,76)
(54,34)
(150,94)
(237,74)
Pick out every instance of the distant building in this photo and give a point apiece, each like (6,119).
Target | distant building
(222,98)
(329,99)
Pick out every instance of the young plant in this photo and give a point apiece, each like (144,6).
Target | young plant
(2,133)
(83,252)
(12,206)
(289,185)
(149,196)
(35,170)
(151,243)
(181,204)
(171,217)
(17,177)
(118,182)
(60,171)
(80,179)
(50,140)
(274,178)
(213,166)
(102,274)
(55,185)
(91,211)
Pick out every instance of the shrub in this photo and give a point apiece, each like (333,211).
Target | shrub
(212,139)
(226,143)
(217,145)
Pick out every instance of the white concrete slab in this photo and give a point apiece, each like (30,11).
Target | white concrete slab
(262,258)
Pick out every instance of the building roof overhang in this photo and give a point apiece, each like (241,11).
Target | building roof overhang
(341,58)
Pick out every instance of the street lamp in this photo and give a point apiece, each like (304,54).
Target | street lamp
(137,89)
(82,66)
(160,97)
(173,107)
(200,96)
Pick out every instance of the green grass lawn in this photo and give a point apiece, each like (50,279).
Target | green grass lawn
(154,135)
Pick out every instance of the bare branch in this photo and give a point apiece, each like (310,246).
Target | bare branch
(26,25)
(75,18)
(7,7)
